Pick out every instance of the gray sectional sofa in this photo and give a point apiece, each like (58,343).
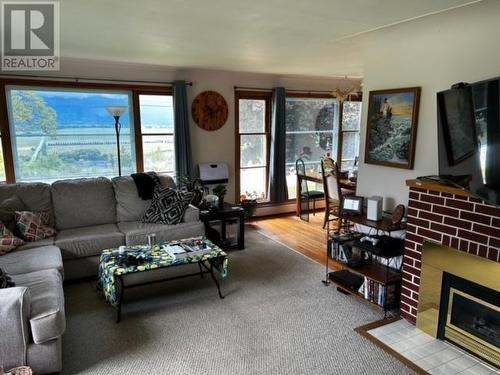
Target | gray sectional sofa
(90,215)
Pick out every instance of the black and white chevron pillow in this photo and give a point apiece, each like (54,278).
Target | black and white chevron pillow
(5,280)
(167,206)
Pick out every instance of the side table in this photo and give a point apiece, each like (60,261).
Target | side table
(226,213)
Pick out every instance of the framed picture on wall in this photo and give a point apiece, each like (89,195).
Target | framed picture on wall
(391,129)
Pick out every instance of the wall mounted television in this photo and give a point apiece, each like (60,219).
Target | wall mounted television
(469,138)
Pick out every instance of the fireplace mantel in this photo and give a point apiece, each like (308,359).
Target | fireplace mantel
(437,187)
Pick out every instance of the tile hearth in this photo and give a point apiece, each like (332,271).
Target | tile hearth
(430,354)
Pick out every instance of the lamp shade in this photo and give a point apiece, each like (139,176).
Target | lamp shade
(117,111)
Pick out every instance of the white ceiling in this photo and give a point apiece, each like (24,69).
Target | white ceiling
(315,37)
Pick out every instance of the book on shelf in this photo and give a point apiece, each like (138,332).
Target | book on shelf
(365,289)
(374,292)
(361,289)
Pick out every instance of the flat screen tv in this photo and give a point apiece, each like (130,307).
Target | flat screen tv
(469,138)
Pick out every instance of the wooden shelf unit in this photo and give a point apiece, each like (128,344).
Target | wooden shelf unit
(374,271)
(353,293)
(376,276)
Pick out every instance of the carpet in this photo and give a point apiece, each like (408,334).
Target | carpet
(277,318)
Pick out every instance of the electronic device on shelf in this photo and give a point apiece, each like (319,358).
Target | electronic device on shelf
(386,246)
(352,205)
(351,236)
(374,208)
(373,240)
(347,279)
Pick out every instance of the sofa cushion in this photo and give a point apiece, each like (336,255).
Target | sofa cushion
(40,258)
(8,241)
(47,319)
(136,232)
(33,226)
(129,206)
(35,244)
(83,202)
(167,206)
(88,241)
(192,214)
(34,195)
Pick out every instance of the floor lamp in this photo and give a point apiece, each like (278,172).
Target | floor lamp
(117,112)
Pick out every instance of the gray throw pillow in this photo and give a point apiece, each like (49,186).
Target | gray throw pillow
(5,280)
(167,206)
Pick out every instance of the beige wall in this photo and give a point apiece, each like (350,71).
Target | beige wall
(434,53)
(214,146)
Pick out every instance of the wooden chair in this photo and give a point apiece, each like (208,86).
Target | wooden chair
(306,195)
(333,195)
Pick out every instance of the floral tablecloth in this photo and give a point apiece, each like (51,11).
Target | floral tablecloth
(159,257)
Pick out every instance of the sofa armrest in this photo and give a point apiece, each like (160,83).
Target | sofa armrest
(14,315)
(192,214)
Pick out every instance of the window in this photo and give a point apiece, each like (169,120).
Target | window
(55,130)
(157,132)
(311,132)
(351,121)
(67,133)
(253,143)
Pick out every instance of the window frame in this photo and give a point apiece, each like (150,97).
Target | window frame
(139,135)
(251,95)
(311,95)
(134,89)
(340,149)
(267,95)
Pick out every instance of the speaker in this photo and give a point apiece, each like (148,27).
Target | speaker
(374,208)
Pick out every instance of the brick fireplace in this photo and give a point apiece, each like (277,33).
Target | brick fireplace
(450,217)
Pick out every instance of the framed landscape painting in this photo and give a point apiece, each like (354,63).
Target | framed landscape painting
(392,127)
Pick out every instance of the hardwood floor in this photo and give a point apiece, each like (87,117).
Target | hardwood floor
(308,238)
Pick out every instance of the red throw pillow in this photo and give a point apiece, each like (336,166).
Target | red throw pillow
(34,225)
(8,241)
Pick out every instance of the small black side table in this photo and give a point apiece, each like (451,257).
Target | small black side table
(228,211)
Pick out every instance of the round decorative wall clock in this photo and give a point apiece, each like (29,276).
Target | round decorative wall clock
(209,110)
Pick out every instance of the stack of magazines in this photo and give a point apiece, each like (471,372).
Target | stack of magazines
(184,249)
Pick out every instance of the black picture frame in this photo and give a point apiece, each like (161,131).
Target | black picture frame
(349,211)
(458,123)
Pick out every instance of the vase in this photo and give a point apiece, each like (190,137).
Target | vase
(250,206)
(220,202)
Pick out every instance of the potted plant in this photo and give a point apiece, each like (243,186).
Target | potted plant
(220,190)
(248,202)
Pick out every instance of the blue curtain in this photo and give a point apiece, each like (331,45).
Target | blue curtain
(278,191)
(182,136)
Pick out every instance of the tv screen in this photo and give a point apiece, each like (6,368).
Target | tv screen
(469,138)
